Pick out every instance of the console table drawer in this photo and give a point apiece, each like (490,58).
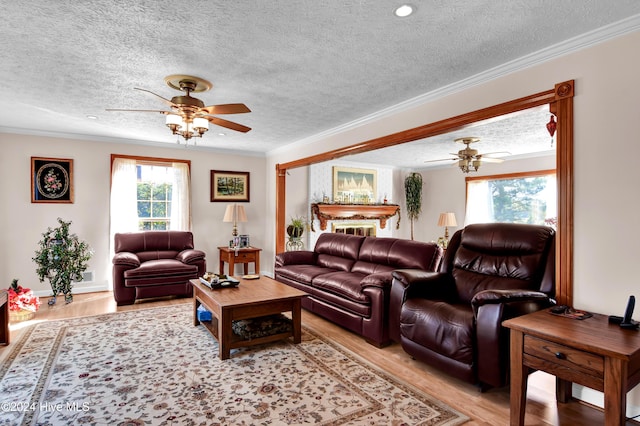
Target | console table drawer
(559,357)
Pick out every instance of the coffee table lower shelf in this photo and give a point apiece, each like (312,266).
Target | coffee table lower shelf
(251,300)
(240,342)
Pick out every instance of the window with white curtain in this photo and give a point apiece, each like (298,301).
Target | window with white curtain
(529,197)
(150,194)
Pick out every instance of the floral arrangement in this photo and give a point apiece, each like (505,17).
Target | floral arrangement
(21,298)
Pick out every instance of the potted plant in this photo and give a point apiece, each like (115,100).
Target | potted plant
(61,258)
(23,304)
(296,227)
(413,193)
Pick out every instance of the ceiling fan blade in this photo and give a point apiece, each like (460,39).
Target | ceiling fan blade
(226,109)
(228,124)
(442,159)
(165,100)
(491,160)
(494,153)
(139,110)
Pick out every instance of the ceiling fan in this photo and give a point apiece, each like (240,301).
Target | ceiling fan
(189,117)
(469,159)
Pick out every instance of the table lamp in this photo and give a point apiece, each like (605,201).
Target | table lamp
(234,213)
(446,220)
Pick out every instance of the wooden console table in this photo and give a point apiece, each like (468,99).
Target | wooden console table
(325,212)
(242,255)
(590,352)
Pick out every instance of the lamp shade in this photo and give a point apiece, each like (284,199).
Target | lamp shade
(234,213)
(447,219)
(240,214)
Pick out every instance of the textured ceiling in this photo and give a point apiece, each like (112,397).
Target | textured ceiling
(303,67)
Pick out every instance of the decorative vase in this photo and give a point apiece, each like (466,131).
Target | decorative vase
(21,315)
(294,231)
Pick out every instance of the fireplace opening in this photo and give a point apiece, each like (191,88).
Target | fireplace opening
(362,229)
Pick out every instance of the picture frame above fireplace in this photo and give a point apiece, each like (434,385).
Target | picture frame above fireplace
(354,186)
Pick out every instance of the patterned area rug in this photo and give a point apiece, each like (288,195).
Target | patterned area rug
(153,367)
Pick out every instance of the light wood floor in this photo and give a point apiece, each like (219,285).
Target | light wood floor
(488,408)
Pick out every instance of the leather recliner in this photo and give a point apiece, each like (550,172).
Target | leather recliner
(452,319)
(154,264)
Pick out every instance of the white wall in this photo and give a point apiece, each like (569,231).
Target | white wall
(23,222)
(605,177)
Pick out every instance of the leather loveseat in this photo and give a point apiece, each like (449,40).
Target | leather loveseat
(452,319)
(348,278)
(154,264)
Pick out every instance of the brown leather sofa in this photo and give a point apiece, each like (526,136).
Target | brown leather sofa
(348,278)
(452,319)
(154,264)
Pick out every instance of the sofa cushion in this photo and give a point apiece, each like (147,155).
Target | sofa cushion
(302,273)
(136,242)
(397,254)
(345,284)
(441,327)
(339,245)
(335,262)
(146,256)
(163,271)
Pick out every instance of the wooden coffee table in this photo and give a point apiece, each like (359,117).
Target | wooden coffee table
(250,299)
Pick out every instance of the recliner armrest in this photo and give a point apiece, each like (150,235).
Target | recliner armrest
(420,283)
(126,258)
(301,257)
(190,256)
(507,296)
(529,301)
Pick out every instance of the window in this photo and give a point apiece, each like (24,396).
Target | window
(528,197)
(154,197)
(149,194)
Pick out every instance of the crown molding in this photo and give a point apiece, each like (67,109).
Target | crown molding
(139,142)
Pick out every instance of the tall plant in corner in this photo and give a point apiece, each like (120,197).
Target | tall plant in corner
(61,258)
(413,195)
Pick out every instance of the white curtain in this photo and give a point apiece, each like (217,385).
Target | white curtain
(180,198)
(479,203)
(124,196)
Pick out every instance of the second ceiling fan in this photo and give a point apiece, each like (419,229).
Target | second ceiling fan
(469,159)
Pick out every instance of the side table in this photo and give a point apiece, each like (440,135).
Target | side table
(590,352)
(4,318)
(242,255)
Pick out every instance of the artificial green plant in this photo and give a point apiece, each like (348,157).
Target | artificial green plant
(413,195)
(61,258)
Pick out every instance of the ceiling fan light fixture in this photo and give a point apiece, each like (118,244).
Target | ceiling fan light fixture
(173,120)
(200,125)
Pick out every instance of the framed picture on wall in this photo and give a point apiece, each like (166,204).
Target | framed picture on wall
(354,186)
(229,186)
(51,180)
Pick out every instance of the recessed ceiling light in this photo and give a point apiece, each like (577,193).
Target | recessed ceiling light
(222,134)
(92,117)
(404,10)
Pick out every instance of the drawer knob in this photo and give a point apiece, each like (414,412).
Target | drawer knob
(560,355)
